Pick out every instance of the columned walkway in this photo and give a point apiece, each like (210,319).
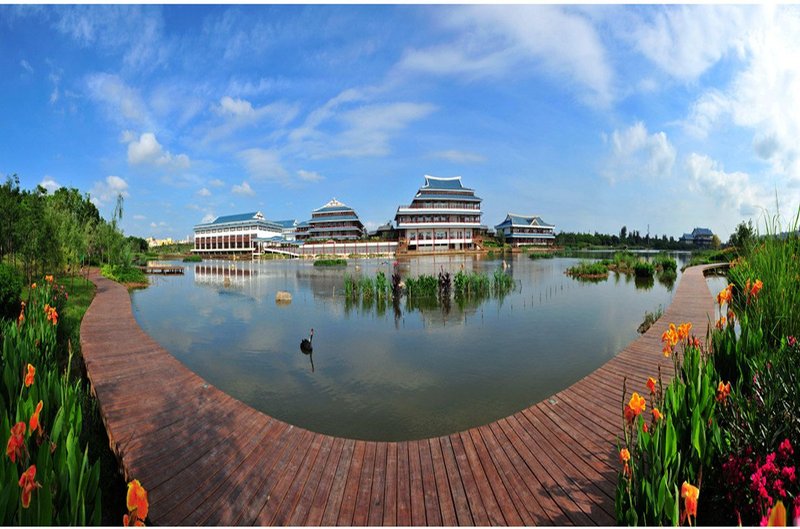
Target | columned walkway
(207,458)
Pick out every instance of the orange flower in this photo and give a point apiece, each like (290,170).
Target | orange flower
(777,516)
(657,415)
(651,385)
(34,422)
(644,427)
(756,288)
(637,404)
(52,314)
(721,323)
(667,350)
(725,295)
(731,316)
(21,318)
(690,495)
(695,342)
(137,500)
(670,339)
(16,443)
(624,455)
(33,285)
(30,376)
(28,484)
(723,390)
(49,279)
(683,330)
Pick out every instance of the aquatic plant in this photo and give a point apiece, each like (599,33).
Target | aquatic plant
(588,269)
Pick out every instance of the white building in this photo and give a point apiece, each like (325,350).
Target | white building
(526,230)
(234,233)
(444,215)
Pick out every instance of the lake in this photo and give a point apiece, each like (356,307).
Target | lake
(384,372)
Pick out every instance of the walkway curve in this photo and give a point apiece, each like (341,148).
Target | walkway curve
(207,458)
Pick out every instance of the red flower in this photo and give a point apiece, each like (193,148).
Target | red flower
(723,390)
(136,500)
(29,377)
(651,385)
(34,422)
(16,443)
(28,484)
(690,495)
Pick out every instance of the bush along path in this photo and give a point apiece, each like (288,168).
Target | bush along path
(47,477)
(720,444)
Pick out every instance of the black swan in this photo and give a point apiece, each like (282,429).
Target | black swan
(305,345)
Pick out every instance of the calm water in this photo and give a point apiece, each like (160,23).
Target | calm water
(384,372)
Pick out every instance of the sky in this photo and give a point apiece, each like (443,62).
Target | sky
(653,117)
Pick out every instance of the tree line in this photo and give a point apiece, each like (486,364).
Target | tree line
(63,231)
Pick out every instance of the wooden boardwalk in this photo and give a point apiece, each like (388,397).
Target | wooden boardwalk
(208,459)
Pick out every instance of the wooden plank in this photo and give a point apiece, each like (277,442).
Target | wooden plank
(313,483)
(501,494)
(433,514)
(460,502)
(446,507)
(361,512)
(323,491)
(417,491)
(333,504)
(403,485)
(476,506)
(377,499)
(348,506)
(493,509)
(390,489)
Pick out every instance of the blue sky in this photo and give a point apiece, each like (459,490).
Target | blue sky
(592,117)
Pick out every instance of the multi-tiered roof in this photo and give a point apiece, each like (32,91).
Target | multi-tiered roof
(335,220)
(526,229)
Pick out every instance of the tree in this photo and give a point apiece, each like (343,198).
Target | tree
(743,236)
(715,242)
(623,233)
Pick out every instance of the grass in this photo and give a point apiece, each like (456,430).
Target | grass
(192,259)
(644,269)
(588,269)
(541,255)
(330,262)
(124,274)
(649,319)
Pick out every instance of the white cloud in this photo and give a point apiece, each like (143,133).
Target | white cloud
(309,176)
(26,66)
(121,102)
(216,183)
(55,94)
(139,217)
(685,41)
(637,154)
(456,156)
(264,165)
(325,112)
(369,128)
(107,190)
(762,96)
(497,40)
(204,192)
(49,184)
(208,217)
(729,190)
(243,189)
(147,151)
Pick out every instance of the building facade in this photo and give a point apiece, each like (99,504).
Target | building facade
(335,221)
(702,237)
(526,230)
(444,215)
(234,234)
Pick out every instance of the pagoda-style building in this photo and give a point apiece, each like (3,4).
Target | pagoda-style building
(444,215)
(234,234)
(334,221)
(526,230)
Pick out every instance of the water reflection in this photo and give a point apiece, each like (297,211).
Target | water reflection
(390,368)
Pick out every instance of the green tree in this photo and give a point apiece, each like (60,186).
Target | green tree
(742,238)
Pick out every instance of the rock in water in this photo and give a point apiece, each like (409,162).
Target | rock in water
(283,297)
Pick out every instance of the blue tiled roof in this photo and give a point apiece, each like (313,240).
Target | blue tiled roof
(333,208)
(291,223)
(234,218)
(532,235)
(702,231)
(434,182)
(521,220)
(303,224)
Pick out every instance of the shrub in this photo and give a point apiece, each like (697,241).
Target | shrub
(644,269)
(665,263)
(588,269)
(123,274)
(194,258)
(330,262)
(10,291)
(65,488)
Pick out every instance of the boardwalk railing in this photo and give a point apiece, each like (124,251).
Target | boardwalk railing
(207,458)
